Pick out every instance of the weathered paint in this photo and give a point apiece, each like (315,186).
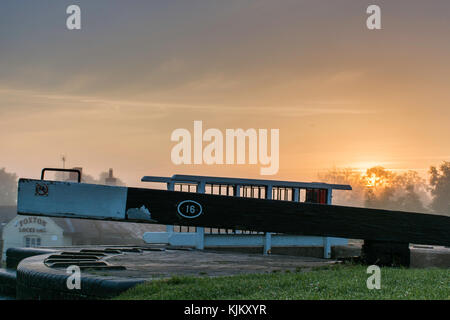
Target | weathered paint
(140,214)
(67,199)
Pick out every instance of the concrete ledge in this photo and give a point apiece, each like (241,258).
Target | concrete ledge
(337,252)
(238,240)
(38,279)
(430,257)
(38,282)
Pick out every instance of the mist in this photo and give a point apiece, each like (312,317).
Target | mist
(381,188)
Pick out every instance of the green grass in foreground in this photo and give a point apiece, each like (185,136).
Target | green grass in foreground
(335,282)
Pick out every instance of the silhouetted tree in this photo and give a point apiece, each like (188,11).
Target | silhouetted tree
(440,188)
(380,188)
(410,201)
(389,190)
(8,188)
(346,176)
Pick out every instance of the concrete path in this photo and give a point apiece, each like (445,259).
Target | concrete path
(167,263)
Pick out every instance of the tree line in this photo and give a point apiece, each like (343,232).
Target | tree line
(381,188)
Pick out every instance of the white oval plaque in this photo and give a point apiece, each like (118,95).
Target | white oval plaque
(189,209)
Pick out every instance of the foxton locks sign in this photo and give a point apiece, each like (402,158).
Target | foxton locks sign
(31,225)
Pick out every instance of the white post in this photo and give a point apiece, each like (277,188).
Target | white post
(170,187)
(268,235)
(326,248)
(237,190)
(237,193)
(329,195)
(200,230)
(326,240)
(296,195)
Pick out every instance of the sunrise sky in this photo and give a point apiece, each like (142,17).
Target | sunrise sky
(110,95)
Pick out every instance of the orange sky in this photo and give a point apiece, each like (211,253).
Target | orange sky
(110,94)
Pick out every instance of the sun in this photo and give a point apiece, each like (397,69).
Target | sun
(374,181)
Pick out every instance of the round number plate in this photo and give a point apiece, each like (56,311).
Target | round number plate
(189,209)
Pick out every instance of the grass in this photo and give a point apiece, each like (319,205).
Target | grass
(333,282)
